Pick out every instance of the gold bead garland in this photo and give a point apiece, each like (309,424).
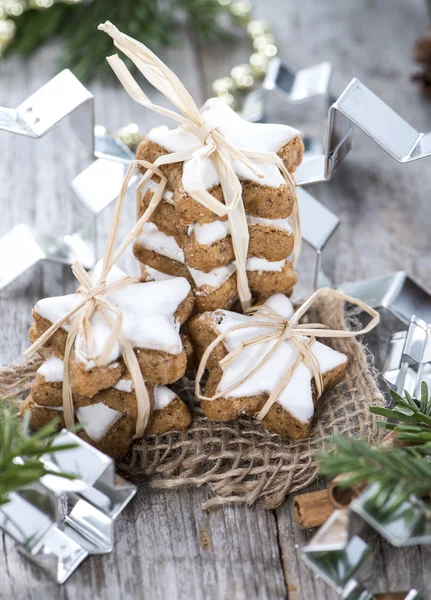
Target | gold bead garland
(230,89)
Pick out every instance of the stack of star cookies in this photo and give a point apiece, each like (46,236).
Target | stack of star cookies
(104,398)
(186,239)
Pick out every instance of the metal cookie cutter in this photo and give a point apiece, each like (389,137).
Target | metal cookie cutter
(395,294)
(95,188)
(59,522)
(339,555)
(408,361)
(357,105)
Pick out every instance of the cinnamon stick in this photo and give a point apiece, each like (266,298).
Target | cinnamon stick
(312,508)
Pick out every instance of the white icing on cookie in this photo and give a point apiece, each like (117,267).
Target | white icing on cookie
(148,311)
(155,275)
(162,397)
(208,233)
(297,395)
(261,264)
(97,419)
(157,241)
(51,370)
(124,385)
(283,224)
(215,278)
(242,134)
(167,195)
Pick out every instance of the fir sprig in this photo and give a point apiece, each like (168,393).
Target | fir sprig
(409,418)
(20,452)
(400,472)
(154,22)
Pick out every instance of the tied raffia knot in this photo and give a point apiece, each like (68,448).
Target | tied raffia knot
(78,321)
(210,142)
(279,330)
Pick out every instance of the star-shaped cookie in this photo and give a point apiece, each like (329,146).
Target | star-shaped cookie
(152,314)
(267,196)
(292,413)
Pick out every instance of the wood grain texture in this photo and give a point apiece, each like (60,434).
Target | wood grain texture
(167,547)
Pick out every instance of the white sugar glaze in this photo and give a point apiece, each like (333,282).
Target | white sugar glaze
(208,233)
(162,397)
(213,279)
(157,241)
(242,134)
(261,264)
(297,395)
(167,194)
(148,311)
(51,370)
(97,419)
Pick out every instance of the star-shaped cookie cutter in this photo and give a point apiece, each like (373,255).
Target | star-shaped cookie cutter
(96,187)
(59,522)
(408,361)
(356,106)
(339,555)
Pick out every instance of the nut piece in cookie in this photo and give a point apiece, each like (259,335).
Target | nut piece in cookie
(292,413)
(151,317)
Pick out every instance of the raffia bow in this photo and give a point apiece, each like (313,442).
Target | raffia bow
(278,329)
(212,144)
(94,298)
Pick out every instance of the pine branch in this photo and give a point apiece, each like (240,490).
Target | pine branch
(409,418)
(20,452)
(400,472)
(154,22)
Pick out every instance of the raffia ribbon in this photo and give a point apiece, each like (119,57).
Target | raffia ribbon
(301,336)
(210,143)
(94,299)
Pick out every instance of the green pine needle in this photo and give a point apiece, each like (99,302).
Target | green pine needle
(154,22)
(409,418)
(20,452)
(399,472)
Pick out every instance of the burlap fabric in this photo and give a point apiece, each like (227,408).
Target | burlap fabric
(238,460)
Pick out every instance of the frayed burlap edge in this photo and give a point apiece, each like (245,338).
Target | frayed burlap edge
(239,461)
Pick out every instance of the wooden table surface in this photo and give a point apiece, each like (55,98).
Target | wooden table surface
(166,546)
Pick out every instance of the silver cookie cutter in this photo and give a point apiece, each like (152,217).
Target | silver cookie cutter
(408,361)
(318,225)
(339,555)
(95,188)
(59,522)
(396,295)
(357,105)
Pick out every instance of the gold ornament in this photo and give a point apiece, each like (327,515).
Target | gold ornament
(7,31)
(259,64)
(241,10)
(12,8)
(257,27)
(41,4)
(242,76)
(270,50)
(223,85)
(261,41)
(129,135)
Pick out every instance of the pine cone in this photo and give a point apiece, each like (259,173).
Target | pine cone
(422,54)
